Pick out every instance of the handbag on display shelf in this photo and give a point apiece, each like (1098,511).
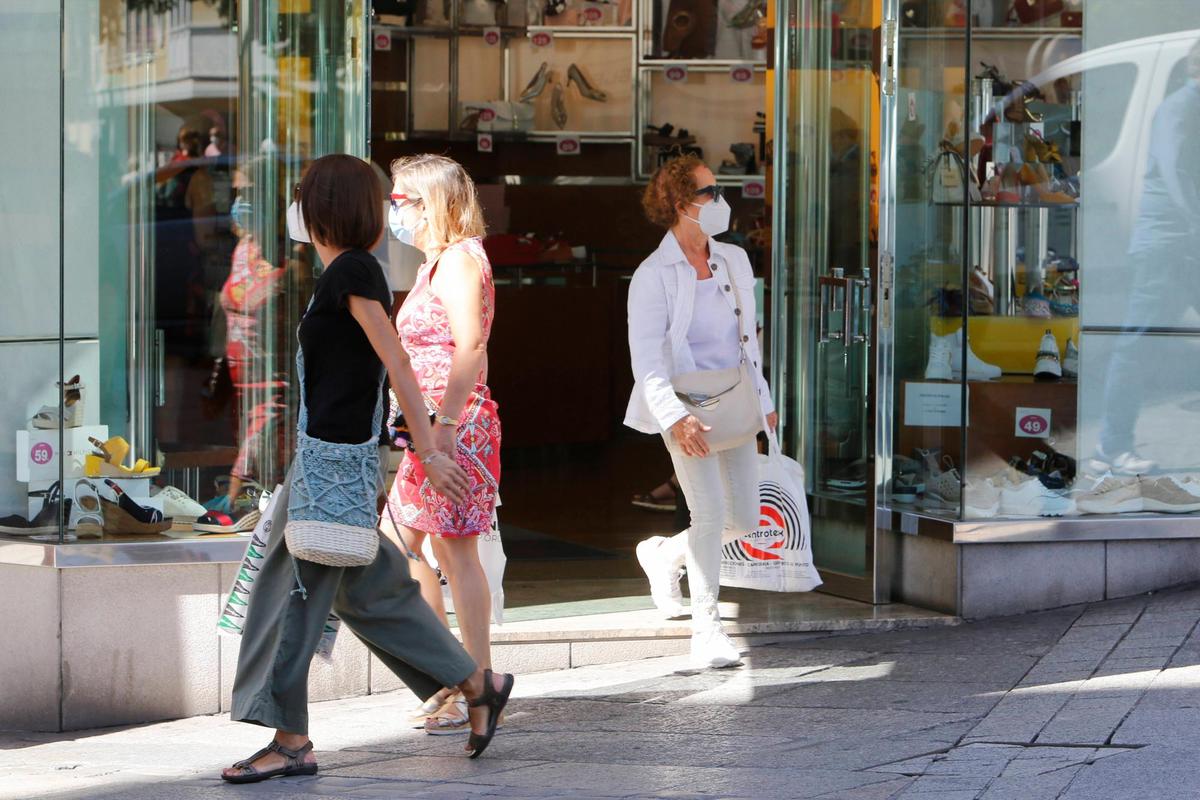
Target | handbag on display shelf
(948,173)
(331,496)
(1031,11)
(725,400)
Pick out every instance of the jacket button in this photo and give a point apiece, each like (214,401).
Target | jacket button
(712,266)
(737,311)
(746,339)
(727,287)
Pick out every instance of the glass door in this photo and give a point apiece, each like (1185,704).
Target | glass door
(826,277)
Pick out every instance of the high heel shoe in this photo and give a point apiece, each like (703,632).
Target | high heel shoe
(574,73)
(109,460)
(558,107)
(495,701)
(537,84)
(47,416)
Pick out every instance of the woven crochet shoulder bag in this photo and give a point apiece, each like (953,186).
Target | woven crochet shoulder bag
(331,502)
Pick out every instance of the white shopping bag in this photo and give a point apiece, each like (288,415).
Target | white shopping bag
(491,555)
(233,614)
(777,557)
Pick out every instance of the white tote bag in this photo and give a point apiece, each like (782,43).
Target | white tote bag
(491,555)
(233,613)
(777,557)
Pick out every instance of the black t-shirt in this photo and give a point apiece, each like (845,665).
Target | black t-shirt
(341,370)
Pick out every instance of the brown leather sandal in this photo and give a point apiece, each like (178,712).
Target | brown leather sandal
(293,765)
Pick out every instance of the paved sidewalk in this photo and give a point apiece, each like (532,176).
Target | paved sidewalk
(1085,703)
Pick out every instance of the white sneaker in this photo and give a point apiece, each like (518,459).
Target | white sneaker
(1070,362)
(1048,366)
(941,349)
(663,575)
(177,505)
(1170,495)
(977,368)
(981,499)
(1129,463)
(712,649)
(1112,495)
(1025,496)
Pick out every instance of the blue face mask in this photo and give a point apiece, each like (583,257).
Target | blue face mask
(240,212)
(401,231)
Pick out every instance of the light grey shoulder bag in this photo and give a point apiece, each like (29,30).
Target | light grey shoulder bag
(725,400)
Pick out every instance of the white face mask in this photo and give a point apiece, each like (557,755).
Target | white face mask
(714,217)
(295,224)
(399,229)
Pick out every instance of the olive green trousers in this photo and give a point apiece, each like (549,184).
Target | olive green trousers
(380,603)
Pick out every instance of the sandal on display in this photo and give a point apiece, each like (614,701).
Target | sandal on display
(293,764)
(494,700)
(109,461)
(89,524)
(450,719)
(220,522)
(586,88)
(45,521)
(47,416)
(119,521)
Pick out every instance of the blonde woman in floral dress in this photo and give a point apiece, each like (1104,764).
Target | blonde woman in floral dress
(444,326)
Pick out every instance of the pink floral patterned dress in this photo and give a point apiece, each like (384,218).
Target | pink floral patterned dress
(424,330)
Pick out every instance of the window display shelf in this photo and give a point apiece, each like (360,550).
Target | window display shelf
(558,30)
(942,34)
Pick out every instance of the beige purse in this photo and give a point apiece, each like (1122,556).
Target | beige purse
(725,400)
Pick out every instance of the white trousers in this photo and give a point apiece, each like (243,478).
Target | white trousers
(722,495)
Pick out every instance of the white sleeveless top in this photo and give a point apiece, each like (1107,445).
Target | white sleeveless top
(713,332)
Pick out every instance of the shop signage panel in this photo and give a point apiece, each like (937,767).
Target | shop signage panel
(933,405)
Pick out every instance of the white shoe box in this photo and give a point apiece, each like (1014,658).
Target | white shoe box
(38,452)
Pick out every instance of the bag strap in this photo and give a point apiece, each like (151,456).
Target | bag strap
(737,301)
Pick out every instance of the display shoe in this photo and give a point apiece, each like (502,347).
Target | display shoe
(133,508)
(942,481)
(982,294)
(220,522)
(586,88)
(1024,495)
(558,106)
(663,571)
(537,84)
(109,460)
(977,368)
(1056,470)
(179,507)
(1034,304)
(1112,494)
(713,649)
(1070,362)
(89,522)
(905,489)
(1048,367)
(981,499)
(749,15)
(45,521)
(119,521)
(1127,463)
(743,160)
(1170,495)
(47,416)
(938,367)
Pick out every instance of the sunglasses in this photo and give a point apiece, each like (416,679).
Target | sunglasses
(715,191)
(399,200)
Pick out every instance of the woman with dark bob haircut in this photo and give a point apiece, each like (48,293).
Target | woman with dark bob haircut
(346,340)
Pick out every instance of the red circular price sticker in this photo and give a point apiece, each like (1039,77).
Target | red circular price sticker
(41,453)
(383,41)
(593,14)
(676,74)
(491,36)
(484,142)
(487,114)
(742,73)
(541,39)
(567,146)
(754,190)
(1033,424)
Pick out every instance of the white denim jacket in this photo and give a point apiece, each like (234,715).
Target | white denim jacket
(661,298)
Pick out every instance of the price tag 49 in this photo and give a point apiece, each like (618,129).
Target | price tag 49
(1032,423)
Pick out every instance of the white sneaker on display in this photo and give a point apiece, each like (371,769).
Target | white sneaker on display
(712,649)
(179,507)
(664,574)
(939,366)
(1025,496)
(981,499)
(1070,362)
(977,368)
(1047,366)
(1170,495)
(1112,494)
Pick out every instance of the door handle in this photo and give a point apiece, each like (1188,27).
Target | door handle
(835,290)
